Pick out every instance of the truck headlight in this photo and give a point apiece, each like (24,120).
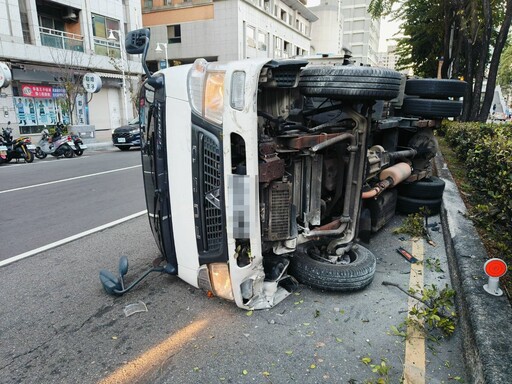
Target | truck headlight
(206,90)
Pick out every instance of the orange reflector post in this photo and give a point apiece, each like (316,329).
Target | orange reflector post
(494,268)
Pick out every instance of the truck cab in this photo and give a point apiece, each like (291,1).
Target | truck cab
(260,174)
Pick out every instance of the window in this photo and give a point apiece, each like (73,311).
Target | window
(262,41)
(148,4)
(251,36)
(174,34)
(25,28)
(101,27)
(278,47)
(283,15)
(286,49)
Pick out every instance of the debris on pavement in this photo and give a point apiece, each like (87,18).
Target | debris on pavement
(131,309)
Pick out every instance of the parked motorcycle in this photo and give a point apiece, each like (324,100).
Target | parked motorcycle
(19,148)
(55,145)
(3,152)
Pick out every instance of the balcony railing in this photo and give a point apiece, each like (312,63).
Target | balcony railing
(61,39)
(106,47)
(148,5)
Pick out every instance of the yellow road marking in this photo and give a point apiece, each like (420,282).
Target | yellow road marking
(414,365)
(134,371)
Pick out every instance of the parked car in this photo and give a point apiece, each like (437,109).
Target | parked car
(127,136)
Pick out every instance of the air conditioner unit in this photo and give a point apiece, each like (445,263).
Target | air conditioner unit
(70,16)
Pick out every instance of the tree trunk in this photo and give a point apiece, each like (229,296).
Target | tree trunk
(482,60)
(495,62)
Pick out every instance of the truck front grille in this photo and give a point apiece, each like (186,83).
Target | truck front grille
(212,193)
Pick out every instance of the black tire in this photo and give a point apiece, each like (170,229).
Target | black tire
(435,88)
(409,205)
(314,272)
(40,154)
(79,152)
(69,153)
(29,157)
(429,188)
(431,108)
(124,148)
(350,82)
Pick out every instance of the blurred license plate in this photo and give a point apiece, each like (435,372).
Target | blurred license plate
(121,140)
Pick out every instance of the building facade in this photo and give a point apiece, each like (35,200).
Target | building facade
(224,30)
(50,45)
(327,34)
(361,33)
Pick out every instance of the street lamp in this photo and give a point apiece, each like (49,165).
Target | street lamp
(123,61)
(158,49)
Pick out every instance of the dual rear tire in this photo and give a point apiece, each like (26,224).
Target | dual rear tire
(423,194)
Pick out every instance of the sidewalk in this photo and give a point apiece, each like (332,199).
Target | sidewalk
(485,320)
(102,141)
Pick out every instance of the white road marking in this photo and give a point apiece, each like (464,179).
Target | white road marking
(69,179)
(69,239)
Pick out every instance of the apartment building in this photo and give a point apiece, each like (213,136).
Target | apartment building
(327,35)
(49,45)
(223,30)
(360,32)
(346,26)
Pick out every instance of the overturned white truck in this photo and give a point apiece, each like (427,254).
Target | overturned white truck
(260,172)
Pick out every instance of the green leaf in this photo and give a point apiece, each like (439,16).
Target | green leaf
(245,372)
(366,360)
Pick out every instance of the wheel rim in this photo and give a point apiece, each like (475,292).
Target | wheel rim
(69,153)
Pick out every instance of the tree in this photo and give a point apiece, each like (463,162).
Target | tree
(463,32)
(505,70)
(71,72)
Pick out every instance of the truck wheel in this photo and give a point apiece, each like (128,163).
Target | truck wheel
(435,88)
(431,108)
(311,269)
(409,205)
(349,82)
(429,188)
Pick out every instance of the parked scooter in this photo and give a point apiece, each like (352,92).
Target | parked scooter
(55,145)
(79,144)
(19,148)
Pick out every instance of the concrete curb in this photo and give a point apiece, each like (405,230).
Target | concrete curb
(101,146)
(485,320)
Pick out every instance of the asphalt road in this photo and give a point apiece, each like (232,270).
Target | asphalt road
(52,199)
(57,325)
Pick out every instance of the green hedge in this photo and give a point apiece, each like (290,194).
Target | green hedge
(486,150)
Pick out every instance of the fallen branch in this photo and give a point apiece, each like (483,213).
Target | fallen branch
(407,293)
